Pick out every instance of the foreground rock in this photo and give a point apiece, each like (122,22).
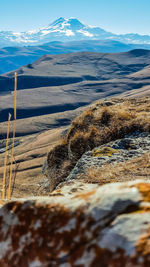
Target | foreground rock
(79,225)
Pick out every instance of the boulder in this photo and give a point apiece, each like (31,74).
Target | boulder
(120,150)
(78,225)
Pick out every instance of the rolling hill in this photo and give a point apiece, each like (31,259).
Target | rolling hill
(12,58)
(58,83)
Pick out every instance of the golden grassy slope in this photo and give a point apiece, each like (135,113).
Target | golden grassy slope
(29,157)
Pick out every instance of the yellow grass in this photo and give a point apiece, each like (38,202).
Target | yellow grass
(14,130)
(136,168)
(5,159)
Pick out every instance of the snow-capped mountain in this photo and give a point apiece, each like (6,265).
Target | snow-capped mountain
(66,30)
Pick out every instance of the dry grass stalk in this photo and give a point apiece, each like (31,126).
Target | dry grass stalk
(13,143)
(5,159)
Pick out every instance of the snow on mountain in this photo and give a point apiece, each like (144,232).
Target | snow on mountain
(66,30)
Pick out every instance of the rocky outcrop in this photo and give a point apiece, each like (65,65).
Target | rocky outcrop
(79,225)
(132,146)
(121,150)
(108,132)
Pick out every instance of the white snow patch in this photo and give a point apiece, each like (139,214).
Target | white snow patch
(86,33)
(17,34)
(65,24)
(50,30)
(69,33)
(32,32)
(45,32)
(21,39)
(92,27)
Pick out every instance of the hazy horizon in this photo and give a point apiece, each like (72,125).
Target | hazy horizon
(112,15)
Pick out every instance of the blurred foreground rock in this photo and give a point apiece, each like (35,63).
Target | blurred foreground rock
(78,225)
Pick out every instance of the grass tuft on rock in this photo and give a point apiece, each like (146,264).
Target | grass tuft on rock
(102,122)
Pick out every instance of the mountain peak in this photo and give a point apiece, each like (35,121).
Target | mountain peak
(67,29)
(75,23)
(58,21)
(69,23)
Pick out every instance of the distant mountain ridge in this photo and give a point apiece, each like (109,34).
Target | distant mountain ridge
(66,30)
(12,58)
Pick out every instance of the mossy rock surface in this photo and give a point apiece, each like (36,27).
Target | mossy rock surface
(104,151)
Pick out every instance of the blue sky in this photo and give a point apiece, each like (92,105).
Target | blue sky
(118,16)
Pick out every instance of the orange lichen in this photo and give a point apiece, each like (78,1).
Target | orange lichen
(85,196)
(144,189)
(104,257)
(104,151)
(142,210)
(144,244)
(2,202)
(55,235)
(58,191)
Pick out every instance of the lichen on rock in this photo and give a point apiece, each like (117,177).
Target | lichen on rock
(104,151)
(80,224)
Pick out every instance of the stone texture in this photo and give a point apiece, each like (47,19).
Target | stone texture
(79,225)
(120,150)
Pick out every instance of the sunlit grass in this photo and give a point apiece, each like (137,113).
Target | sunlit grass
(5,159)
(13,141)
(12,149)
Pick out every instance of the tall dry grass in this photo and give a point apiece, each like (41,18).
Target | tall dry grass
(12,150)
(5,159)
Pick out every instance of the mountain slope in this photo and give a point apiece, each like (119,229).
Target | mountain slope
(12,58)
(56,83)
(66,30)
